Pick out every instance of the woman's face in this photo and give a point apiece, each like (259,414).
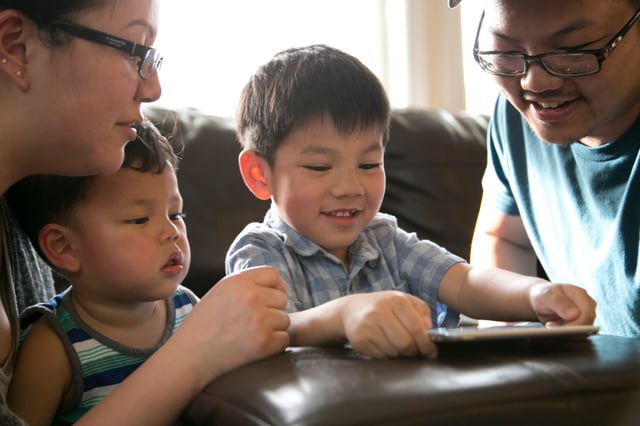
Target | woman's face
(92,93)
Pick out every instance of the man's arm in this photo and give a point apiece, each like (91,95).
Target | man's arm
(500,240)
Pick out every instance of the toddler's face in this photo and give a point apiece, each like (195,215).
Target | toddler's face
(131,236)
(327,185)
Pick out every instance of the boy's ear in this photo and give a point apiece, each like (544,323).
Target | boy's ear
(252,169)
(15,29)
(56,246)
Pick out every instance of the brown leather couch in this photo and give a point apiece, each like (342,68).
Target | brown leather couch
(434,163)
(525,383)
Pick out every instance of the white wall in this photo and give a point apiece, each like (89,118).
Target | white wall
(435,70)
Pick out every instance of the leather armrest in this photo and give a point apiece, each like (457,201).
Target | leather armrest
(594,381)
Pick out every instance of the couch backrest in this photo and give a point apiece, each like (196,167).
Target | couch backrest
(434,164)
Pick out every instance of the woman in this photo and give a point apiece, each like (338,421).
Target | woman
(73,77)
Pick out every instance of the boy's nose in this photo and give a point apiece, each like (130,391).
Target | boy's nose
(347,184)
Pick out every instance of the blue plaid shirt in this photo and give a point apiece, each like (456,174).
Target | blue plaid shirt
(383,257)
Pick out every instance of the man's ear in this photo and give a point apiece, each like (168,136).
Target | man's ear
(252,169)
(56,246)
(15,31)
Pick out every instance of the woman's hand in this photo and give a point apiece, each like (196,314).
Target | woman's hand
(241,319)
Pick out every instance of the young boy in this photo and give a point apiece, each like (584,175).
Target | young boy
(313,124)
(121,243)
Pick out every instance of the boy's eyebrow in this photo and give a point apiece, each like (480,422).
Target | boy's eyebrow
(146,201)
(315,149)
(376,146)
(319,149)
(136,202)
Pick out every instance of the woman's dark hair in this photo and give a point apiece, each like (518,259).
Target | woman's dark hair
(45,12)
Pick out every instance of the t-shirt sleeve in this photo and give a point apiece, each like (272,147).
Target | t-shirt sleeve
(495,182)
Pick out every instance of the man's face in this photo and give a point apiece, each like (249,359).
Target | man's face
(593,109)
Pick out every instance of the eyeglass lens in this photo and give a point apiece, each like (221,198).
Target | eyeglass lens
(150,63)
(566,64)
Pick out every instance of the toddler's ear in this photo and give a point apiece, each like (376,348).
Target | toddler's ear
(252,169)
(56,246)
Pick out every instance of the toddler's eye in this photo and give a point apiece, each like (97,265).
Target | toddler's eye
(369,166)
(138,220)
(178,216)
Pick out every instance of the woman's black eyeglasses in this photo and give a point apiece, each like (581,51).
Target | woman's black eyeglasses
(564,63)
(150,59)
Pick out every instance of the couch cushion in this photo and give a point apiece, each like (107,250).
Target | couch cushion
(434,164)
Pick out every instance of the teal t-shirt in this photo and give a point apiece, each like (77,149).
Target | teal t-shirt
(580,207)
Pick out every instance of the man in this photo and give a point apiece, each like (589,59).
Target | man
(562,183)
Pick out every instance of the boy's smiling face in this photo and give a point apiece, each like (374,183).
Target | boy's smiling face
(327,185)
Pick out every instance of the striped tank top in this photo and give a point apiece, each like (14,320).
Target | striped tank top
(99,364)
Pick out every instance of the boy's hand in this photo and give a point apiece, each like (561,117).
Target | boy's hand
(562,304)
(388,324)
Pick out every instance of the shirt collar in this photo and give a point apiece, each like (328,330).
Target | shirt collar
(301,245)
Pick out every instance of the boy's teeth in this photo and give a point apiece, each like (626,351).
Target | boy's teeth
(546,106)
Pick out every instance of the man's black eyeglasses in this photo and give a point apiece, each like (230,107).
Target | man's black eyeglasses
(150,59)
(564,63)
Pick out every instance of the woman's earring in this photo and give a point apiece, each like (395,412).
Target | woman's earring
(19,73)
(4,61)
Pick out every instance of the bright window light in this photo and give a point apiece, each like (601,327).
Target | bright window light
(211,48)
(480,87)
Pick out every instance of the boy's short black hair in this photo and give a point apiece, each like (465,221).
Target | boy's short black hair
(299,85)
(41,199)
